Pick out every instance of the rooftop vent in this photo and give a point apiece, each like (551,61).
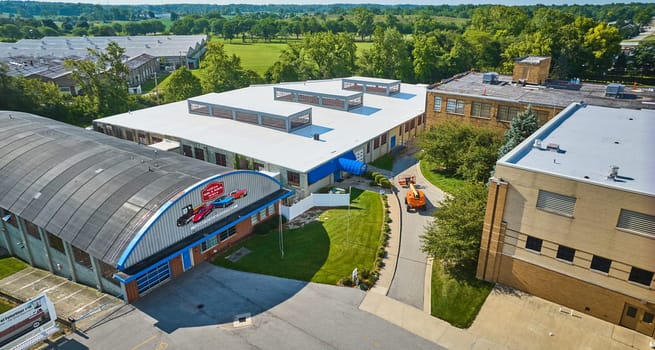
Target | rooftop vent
(537,143)
(614,172)
(614,90)
(490,78)
(552,147)
(317,136)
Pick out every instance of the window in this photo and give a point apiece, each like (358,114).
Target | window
(209,244)
(437,103)
(641,276)
(56,242)
(142,139)
(601,264)
(82,257)
(245,117)
(271,209)
(376,143)
(262,214)
(108,272)
(254,219)
(198,108)
(32,230)
(186,150)
(565,253)
(481,110)
(533,244)
(200,153)
(637,222)
(276,123)
(556,203)
(129,135)
(631,312)
(12,217)
(507,113)
(419,120)
(293,178)
(455,106)
(648,317)
(368,147)
(227,233)
(383,139)
(220,159)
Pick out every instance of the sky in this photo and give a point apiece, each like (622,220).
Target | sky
(325,2)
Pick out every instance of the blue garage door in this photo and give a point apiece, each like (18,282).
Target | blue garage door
(151,279)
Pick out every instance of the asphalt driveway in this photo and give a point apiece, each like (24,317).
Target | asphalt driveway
(211,307)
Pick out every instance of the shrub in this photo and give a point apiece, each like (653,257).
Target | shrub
(345,281)
(364,273)
(385,183)
(373,183)
(379,178)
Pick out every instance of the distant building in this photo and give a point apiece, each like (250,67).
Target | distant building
(493,100)
(571,215)
(171,50)
(308,134)
(141,68)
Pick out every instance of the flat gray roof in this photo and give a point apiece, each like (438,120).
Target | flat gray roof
(92,190)
(340,131)
(61,46)
(470,84)
(241,99)
(591,140)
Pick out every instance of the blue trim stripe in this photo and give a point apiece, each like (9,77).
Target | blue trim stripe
(199,241)
(146,227)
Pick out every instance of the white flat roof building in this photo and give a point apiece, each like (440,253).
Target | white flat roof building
(324,134)
(585,142)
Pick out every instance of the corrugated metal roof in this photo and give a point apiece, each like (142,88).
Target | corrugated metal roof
(88,188)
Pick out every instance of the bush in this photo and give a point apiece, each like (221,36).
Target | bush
(267,226)
(373,183)
(385,183)
(379,178)
(345,281)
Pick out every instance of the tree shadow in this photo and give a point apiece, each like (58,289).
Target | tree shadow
(212,295)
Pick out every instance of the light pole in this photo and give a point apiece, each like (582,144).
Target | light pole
(348,222)
(156,87)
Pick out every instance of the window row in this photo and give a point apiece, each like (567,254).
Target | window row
(598,263)
(484,110)
(213,241)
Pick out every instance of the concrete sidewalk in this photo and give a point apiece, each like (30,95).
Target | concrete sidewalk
(72,300)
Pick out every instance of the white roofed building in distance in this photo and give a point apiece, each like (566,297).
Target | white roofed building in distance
(310,133)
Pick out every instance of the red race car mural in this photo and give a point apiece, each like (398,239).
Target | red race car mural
(202,212)
(236,194)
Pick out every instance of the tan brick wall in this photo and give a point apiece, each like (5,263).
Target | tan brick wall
(591,231)
(437,117)
(567,291)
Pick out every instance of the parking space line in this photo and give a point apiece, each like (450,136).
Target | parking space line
(33,282)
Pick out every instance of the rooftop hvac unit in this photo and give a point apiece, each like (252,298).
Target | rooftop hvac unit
(614,90)
(490,78)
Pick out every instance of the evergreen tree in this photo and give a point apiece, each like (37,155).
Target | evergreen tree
(524,125)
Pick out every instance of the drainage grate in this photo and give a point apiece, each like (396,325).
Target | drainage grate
(242,320)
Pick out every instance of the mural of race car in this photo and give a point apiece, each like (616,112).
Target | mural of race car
(223,202)
(202,212)
(236,194)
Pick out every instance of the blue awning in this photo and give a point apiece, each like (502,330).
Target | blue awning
(352,166)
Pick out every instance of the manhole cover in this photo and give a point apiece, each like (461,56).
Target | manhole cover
(242,320)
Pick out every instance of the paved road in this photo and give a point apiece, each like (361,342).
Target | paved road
(197,310)
(409,279)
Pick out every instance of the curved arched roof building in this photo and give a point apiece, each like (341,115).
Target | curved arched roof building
(99,209)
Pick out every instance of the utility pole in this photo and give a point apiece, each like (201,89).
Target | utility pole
(157,88)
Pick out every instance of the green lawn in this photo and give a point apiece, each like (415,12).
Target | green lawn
(442,179)
(149,85)
(385,162)
(323,251)
(457,300)
(9,266)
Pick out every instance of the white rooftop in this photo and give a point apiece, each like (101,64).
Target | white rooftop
(374,80)
(591,140)
(334,90)
(340,131)
(244,99)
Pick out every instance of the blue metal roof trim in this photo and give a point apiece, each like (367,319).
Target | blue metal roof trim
(137,238)
(352,166)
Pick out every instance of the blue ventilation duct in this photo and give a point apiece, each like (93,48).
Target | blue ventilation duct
(352,166)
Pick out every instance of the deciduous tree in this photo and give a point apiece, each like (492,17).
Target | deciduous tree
(453,237)
(182,84)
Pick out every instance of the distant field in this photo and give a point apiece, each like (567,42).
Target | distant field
(260,56)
